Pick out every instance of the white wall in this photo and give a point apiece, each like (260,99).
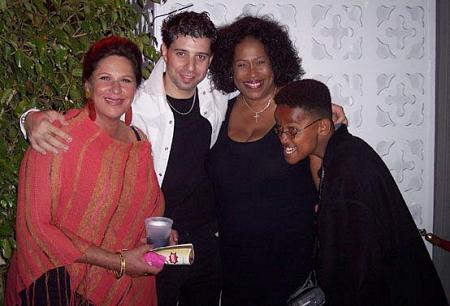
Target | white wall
(378,58)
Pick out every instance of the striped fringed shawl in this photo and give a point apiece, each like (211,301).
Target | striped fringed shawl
(99,192)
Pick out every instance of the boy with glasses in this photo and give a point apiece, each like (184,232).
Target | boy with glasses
(370,252)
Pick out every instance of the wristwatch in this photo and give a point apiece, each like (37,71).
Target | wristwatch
(23,118)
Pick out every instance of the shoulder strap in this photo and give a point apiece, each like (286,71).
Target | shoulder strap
(138,137)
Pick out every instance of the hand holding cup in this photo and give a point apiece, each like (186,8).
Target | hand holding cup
(158,231)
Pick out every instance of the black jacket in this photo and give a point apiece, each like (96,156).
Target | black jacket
(370,250)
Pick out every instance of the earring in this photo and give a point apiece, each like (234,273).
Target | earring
(128,116)
(87,93)
(91,110)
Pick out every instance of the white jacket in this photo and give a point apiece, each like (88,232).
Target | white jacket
(153,115)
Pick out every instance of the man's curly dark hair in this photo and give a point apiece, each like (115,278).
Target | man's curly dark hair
(286,64)
(197,25)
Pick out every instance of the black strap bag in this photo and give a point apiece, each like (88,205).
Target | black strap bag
(308,294)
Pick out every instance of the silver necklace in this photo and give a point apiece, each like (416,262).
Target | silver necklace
(257,113)
(190,109)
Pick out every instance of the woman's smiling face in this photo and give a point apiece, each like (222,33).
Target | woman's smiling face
(252,70)
(112,86)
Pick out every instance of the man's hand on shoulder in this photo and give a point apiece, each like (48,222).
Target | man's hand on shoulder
(43,135)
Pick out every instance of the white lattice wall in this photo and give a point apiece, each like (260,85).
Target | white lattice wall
(378,59)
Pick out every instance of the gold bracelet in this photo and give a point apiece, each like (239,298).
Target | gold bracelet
(123,265)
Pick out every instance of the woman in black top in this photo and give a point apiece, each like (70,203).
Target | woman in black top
(265,206)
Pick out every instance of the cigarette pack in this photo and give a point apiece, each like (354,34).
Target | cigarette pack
(179,254)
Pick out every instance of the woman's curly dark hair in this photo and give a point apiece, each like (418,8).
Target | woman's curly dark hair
(286,64)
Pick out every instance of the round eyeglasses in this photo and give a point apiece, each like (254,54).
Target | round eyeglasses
(291,132)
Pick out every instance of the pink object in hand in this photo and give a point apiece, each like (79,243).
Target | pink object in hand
(154,259)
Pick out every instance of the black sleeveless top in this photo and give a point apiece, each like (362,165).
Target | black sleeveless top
(266,218)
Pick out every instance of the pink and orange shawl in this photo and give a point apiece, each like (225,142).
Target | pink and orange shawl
(99,192)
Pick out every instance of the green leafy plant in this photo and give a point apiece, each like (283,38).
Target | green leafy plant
(42,43)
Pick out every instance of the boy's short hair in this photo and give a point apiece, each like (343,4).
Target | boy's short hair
(197,25)
(310,95)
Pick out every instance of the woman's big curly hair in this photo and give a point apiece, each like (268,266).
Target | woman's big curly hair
(286,64)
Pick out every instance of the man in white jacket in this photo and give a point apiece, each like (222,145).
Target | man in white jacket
(181,115)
